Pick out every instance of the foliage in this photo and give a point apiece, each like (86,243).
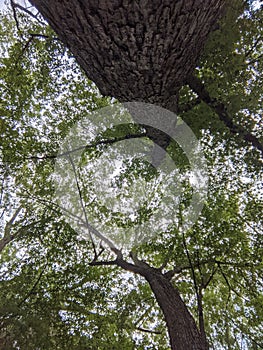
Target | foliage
(50,296)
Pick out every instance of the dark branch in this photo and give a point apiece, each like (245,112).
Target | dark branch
(178,269)
(255,60)
(103,263)
(148,330)
(33,287)
(119,261)
(254,46)
(91,145)
(227,282)
(198,292)
(198,87)
(8,237)
(15,6)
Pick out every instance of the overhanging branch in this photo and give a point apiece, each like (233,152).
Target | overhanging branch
(198,87)
(93,144)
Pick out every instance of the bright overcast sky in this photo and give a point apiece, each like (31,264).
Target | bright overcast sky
(1,4)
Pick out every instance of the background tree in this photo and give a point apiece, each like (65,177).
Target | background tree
(52,295)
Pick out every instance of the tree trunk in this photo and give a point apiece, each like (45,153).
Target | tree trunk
(141,50)
(182,329)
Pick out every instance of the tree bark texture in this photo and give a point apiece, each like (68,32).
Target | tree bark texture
(134,50)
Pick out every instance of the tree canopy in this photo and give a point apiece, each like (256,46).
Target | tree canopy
(60,290)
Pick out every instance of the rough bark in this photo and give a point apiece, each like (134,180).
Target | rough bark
(134,50)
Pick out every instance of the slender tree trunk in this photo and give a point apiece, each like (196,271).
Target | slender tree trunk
(140,50)
(182,329)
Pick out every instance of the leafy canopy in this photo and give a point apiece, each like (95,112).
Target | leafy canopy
(50,297)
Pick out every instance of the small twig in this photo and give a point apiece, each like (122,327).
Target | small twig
(144,314)
(2,189)
(33,287)
(13,5)
(252,61)
(25,47)
(206,283)
(237,326)
(227,282)
(24,9)
(83,206)
(148,330)
(258,40)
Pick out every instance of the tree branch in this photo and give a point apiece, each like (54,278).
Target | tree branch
(227,282)
(34,286)
(199,296)
(178,269)
(92,144)
(15,6)
(148,330)
(103,263)
(198,87)
(8,237)
(82,204)
(119,261)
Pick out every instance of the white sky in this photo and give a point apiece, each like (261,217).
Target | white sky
(2,5)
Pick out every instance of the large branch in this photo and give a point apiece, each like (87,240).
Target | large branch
(199,88)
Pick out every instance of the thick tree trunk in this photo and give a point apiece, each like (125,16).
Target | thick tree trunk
(139,50)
